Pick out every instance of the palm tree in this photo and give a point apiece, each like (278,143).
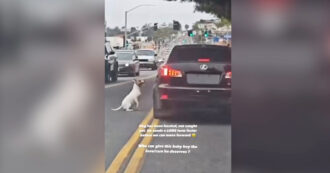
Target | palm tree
(186,26)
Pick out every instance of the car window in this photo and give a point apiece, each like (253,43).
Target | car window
(124,56)
(192,54)
(145,52)
(108,47)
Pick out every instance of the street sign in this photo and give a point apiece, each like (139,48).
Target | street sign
(215,39)
(227,36)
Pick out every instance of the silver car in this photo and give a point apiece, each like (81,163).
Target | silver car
(147,58)
(128,63)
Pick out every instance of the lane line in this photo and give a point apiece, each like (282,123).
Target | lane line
(137,160)
(126,151)
(129,81)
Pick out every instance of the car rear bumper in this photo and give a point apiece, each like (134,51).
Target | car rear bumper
(125,70)
(147,63)
(190,98)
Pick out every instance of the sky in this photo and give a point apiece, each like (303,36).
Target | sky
(162,11)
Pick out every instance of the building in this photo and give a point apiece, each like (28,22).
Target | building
(209,25)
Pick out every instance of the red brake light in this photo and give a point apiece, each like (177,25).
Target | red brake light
(204,60)
(228,75)
(167,71)
(164,97)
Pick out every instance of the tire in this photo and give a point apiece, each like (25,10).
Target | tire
(107,72)
(107,77)
(114,73)
(158,112)
(114,77)
(156,115)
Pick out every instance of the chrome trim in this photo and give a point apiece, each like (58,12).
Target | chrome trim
(166,86)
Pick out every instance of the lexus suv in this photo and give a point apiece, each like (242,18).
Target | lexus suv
(194,78)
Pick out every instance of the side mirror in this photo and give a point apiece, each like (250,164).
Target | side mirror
(155,54)
(112,52)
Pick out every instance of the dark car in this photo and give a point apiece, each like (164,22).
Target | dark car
(147,58)
(128,63)
(111,64)
(194,78)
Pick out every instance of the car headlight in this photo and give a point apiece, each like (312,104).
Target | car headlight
(126,64)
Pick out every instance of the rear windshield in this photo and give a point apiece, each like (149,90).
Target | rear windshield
(193,54)
(124,56)
(145,52)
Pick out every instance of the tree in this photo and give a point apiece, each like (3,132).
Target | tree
(113,32)
(220,8)
(163,33)
(186,26)
(224,22)
(133,29)
(147,32)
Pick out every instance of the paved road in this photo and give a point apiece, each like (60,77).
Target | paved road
(213,153)
(213,136)
(120,125)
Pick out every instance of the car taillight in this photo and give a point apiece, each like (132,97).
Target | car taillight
(228,75)
(164,97)
(167,71)
(204,60)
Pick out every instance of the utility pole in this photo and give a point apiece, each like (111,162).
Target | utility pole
(126,12)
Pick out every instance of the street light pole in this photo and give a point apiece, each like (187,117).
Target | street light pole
(126,12)
(125,37)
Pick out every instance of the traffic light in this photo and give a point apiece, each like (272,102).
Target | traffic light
(191,33)
(206,34)
(155,26)
(176,25)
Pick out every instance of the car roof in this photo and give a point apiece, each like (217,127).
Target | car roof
(200,46)
(125,51)
(146,49)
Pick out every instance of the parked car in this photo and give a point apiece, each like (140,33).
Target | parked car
(147,58)
(111,63)
(194,78)
(128,63)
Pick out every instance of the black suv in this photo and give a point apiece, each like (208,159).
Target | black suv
(111,64)
(194,78)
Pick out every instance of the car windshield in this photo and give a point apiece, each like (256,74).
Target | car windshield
(193,54)
(145,52)
(124,56)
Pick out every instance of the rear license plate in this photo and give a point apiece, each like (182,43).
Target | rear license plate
(209,79)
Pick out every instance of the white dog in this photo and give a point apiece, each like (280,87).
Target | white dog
(132,97)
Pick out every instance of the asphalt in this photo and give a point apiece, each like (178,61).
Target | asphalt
(214,147)
(213,133)
(120,125)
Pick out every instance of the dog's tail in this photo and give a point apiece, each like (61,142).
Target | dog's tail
(117,108)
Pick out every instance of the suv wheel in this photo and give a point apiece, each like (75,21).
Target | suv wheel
(114,77)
